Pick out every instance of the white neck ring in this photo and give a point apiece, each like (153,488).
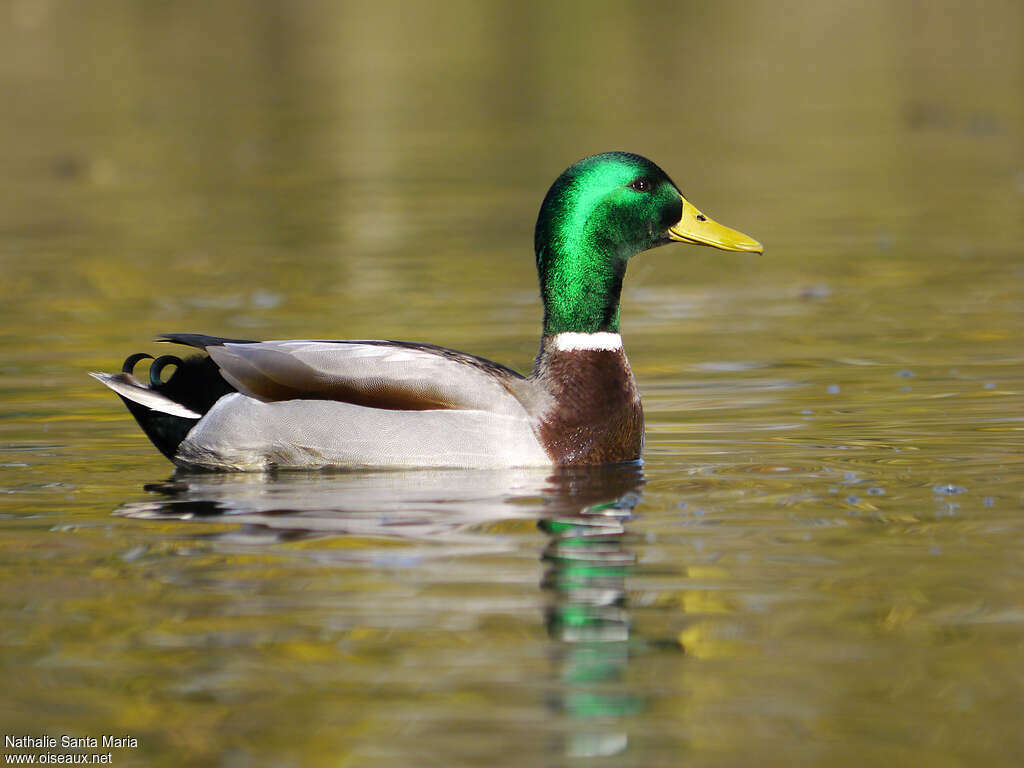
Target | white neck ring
(570,341)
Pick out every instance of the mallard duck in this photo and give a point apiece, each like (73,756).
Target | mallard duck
(253,405)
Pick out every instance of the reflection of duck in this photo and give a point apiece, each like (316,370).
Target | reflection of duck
(253,405)
(445,507)
(588,562)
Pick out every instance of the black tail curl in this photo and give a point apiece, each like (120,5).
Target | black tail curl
(196,383)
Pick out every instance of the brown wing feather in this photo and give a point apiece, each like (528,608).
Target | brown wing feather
(376,374)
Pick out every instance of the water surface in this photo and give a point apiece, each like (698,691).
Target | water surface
(819,561)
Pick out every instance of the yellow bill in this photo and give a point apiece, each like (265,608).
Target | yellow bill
(695,227)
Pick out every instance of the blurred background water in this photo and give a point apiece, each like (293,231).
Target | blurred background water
(819,562)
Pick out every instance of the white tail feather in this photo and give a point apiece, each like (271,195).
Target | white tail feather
(128,387)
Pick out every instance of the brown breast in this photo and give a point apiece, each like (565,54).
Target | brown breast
(595,415)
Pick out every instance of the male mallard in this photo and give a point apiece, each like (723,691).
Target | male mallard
(258,405)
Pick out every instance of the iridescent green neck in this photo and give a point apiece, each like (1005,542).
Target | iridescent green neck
(580,286)
(581,249)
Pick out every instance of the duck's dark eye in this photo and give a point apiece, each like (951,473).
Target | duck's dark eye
(640,185)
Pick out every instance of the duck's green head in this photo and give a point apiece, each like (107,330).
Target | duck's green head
(598,213)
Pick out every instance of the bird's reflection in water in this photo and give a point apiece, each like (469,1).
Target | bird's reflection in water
(449,509)
(583,511)
(587,564)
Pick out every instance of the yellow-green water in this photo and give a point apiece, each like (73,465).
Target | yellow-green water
(819,562)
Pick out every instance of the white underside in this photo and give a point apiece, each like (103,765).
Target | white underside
(571,341)
(240,432)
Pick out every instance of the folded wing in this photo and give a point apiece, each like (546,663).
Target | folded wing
(375,374)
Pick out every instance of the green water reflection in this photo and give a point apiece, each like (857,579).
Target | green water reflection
(824,564)
(589,563)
